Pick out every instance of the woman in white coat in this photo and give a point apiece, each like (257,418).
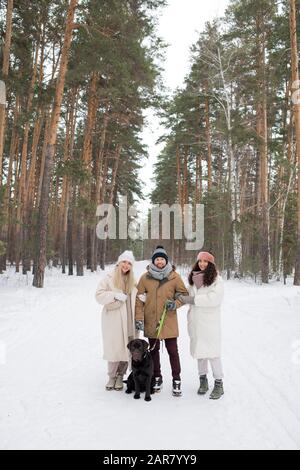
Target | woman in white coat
(204,321)
(117,293)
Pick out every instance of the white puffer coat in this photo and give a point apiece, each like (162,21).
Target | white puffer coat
(204,320)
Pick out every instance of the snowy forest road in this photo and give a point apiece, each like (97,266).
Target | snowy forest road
(52,393)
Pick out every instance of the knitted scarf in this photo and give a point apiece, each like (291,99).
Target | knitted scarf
(160,274)
(198,278)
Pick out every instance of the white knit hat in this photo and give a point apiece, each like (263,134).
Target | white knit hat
(126,256)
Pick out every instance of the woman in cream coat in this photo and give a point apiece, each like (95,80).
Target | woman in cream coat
(117,293)
(204,321)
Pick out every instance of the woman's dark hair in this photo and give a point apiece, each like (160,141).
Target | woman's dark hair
(210,274)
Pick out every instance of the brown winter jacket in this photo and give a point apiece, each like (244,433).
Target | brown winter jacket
(157,293)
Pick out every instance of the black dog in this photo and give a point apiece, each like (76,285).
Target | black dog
(140,379)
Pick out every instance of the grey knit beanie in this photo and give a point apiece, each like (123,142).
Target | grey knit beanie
(160,252)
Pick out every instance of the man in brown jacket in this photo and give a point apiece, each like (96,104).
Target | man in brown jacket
(157,288)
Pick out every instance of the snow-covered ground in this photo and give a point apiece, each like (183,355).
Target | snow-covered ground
(52,375)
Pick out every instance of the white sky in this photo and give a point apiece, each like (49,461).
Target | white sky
(180,24)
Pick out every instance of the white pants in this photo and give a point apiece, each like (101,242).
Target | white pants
(117,368)
(216,366)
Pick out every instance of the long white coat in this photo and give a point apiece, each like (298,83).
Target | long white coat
(204,320)
(114,321)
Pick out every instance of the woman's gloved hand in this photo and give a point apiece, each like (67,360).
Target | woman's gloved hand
(121,297)
(139,325)
(187,299)
(171,305)
(143,298)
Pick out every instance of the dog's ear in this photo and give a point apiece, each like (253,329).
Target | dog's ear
(129,345)
(145,345)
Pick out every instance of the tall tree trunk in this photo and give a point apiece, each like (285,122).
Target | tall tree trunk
(40,264)
(185,193)
(85,191)
(284,186)
(199,183)
(91,117)
(30,188)
(262,132)
(42,159)
(208,140)
(179,177)
(296,109)
(100,181)
(90,249)
(103,192)
(80,239)
(14,144)
(67,183)
(180,192)
(198,178)
(117,155)
(25,209)
(233,178)
(70,239)
(5,69)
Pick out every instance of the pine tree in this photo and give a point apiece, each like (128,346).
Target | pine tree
(296,109)
(40,263)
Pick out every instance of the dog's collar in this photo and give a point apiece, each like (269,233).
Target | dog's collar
(146,353)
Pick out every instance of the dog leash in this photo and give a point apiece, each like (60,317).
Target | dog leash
(160,326)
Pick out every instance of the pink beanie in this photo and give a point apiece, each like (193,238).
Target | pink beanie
(206,256)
